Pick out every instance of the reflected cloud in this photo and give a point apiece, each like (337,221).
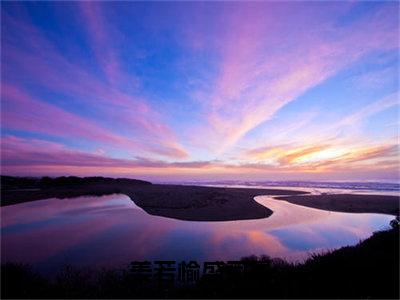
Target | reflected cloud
(58,231)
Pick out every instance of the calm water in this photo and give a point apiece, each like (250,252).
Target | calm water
(112,231)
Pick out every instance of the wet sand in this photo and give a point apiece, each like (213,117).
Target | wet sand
(351,203)
(200,203)
(194,203)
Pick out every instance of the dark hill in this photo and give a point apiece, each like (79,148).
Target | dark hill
(11,182)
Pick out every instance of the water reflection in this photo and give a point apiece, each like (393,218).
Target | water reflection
(112,231)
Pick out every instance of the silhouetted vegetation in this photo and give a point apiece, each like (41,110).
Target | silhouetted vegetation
(10,182)
(24,189)
(367,270)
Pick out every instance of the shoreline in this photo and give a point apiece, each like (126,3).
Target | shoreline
(194,203)
(190,203)
(201,203)
(348,203)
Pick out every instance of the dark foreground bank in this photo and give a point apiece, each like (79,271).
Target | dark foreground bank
(367,270)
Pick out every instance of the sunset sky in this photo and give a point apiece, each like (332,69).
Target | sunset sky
(202,90)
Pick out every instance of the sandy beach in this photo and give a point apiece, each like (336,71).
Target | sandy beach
(200,203)
(348,203)
(195,203)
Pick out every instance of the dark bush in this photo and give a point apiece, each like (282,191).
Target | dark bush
(367,270)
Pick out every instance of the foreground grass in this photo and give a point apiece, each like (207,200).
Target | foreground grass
(367,270)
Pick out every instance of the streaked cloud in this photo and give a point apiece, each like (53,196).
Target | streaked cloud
(39,155)
(108,103)
(371,109)
(255,81)
(228,89)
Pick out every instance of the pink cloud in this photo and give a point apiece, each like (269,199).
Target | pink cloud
(125,112)
(102,44)
(21,152)
(37,157)
(266,65)
(22,112)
